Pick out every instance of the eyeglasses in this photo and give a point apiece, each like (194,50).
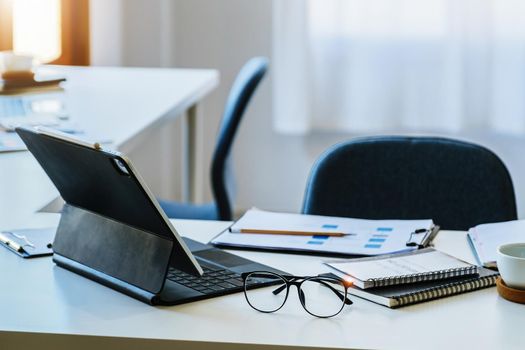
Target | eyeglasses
(320,296)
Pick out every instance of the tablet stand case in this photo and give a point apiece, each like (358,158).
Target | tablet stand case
(111,229)
(122,257)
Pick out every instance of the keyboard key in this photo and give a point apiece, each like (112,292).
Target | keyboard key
(223,278)
(217,288)
(236,283)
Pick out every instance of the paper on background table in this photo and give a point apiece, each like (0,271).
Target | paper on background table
(370,237)
(486,238)
(10,142)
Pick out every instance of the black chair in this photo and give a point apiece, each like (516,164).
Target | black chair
(455,183)
(240,94)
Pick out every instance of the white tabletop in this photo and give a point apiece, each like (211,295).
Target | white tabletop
(44,304)
(119,104)
(123,102)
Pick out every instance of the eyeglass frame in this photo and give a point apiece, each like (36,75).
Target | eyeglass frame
(293,280)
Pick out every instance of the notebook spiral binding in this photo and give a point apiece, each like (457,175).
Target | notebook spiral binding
(424,276)
(446,290)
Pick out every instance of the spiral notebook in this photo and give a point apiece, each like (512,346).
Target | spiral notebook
(417,266)
(407,294)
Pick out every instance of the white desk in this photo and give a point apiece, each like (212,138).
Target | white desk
(46,306)
(116,103)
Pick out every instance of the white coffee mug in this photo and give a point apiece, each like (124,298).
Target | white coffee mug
(511,264)
(11,62)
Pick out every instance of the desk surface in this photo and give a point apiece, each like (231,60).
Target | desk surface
(44,304)
(109,102)
(48,307)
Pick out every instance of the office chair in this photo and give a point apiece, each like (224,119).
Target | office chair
(455,183)
(240,94)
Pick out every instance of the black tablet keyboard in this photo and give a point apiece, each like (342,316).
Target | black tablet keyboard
(212,282)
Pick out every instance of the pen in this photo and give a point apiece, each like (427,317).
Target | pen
(11,244)
(292,233)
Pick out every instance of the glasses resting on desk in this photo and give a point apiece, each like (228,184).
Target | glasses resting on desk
(320,296)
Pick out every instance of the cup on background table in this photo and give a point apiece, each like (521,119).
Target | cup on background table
(11,62)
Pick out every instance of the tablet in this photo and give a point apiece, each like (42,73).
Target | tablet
(106,183)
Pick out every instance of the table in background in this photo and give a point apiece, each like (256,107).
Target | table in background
(49,307)
(120,104)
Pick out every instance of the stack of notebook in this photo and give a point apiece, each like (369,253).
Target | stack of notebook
(403,279)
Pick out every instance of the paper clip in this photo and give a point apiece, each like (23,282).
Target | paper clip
(24,238)
(11,244)
(415,234)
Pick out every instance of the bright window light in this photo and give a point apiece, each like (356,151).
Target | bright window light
(36,29)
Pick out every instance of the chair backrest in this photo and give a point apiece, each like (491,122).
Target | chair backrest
(240,94)
(457,184)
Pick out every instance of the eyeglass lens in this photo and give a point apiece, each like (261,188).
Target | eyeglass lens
(262,299)
(321,296)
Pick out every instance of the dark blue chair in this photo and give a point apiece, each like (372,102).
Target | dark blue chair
(221,181)
(455,183)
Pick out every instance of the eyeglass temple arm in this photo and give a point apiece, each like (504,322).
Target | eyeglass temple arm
(331,275)
(337,292)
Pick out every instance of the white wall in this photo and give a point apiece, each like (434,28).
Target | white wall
(106,32)
(138,33)
(271,168)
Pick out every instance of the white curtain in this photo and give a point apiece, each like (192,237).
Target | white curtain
(376,65)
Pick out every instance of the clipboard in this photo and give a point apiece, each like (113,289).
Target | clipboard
(325,235)
(29,243)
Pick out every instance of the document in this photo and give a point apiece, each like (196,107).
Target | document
(486,238)
(325,234)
